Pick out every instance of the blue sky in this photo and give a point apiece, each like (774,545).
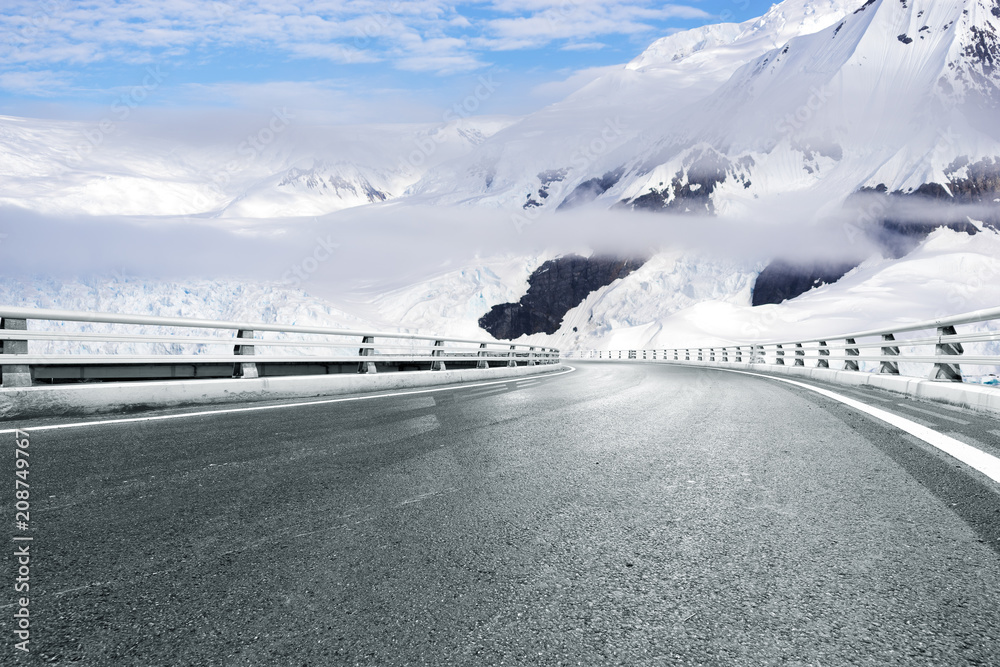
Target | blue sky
(337,61)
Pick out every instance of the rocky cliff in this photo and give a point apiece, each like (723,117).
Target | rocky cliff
(553,289)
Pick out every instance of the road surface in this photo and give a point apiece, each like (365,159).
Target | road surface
(620,514)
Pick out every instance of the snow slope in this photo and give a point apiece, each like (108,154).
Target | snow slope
(580,137)
(712,304)
(790,114)
(891,95)
(64,167)
(818,96)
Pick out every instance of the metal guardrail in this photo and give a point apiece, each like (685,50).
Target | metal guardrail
(191,348)
(850,351)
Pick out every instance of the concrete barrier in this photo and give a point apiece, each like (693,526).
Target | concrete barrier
(122,397)
(974,397)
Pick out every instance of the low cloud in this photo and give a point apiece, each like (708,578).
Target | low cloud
(393,245)
(554,90)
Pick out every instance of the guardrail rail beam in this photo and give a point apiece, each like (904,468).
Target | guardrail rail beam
(947,361)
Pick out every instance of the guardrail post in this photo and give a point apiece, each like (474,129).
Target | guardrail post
(779,355)
(759,356)
(800,355)
(644,355)
(244,370)
(850,365)
(15,375)
(677,356)
(947,372)
(438,352)
(738,356)
(889,367)
(824,351)
(511,362)
(711,354)
(531,355)
(687,355)
(482,363)
(701,355)
(367,366)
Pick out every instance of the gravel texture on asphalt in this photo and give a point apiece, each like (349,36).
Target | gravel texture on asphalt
(617,515)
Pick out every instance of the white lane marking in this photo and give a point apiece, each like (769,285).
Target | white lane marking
(489,391)
(259,408)
(972,442)
(987,464)
(907,406)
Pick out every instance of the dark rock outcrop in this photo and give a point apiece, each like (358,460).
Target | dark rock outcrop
(782,280)
(893,230)
(896,238)
(691,188)
(545,179)
(553,289)
(590,190)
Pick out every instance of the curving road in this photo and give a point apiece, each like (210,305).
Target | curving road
(616,515)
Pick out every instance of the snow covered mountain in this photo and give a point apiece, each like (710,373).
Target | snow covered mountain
(271,169)
(896,96)
(825,96)
(588,137)
(787,117)
(822,96)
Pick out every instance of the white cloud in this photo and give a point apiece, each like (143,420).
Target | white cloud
(583,46)
(542,21)
(40,83)
(418,35)
(314,102)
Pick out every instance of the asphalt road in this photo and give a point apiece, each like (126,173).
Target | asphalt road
(616,515)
